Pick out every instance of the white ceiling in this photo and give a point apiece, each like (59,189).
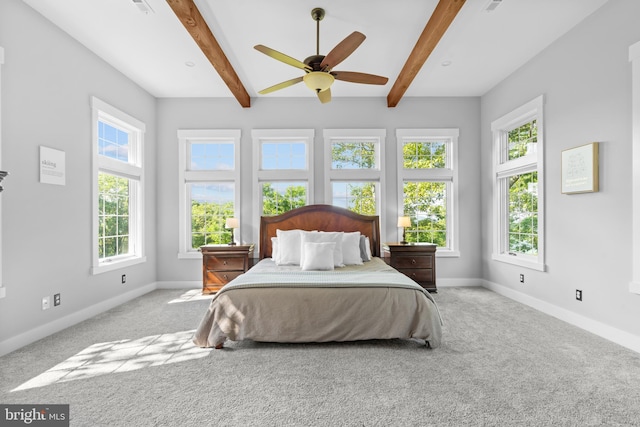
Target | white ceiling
(153,49)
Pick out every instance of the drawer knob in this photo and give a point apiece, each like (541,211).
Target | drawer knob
(225,277)
(413,261)
(224,262)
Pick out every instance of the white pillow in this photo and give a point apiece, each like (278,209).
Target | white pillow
(318,256)
(322,237)
(289,247)
(365,248)
(274,248)
(351,248)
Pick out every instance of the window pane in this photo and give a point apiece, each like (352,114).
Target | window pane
(523,213)
(358,197)
(113,215)
(281,197)
(426,204)
(522,140)
(211,205)
(424,155)
(284,155)
(113,142)
(353,155)
(212,156)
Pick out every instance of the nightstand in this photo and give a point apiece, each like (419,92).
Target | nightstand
(418,261)
(223,263)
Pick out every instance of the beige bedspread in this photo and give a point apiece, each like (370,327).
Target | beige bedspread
(284,304)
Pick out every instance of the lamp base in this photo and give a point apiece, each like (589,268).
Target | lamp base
(403,242)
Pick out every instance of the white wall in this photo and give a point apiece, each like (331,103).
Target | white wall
(47,81)
(308,113)
(585,78)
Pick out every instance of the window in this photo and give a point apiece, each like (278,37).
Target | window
(354,173)
(1,62)
(427,180)
(209,193)
(518,186)
(283,168)
(118,188)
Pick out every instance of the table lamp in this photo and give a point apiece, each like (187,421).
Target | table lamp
(404,222)
(232,223)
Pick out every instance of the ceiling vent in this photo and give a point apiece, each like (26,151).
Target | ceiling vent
(143,6)
(492,5)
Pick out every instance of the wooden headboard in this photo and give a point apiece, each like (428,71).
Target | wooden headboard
(321,218)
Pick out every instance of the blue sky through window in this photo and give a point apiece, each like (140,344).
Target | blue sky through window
(113,142)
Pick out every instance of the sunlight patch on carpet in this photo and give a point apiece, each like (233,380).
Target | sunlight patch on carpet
(192,295)
(121,356)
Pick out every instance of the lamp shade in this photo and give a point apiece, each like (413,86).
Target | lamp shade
(404,221)
(318,81)
(232,223)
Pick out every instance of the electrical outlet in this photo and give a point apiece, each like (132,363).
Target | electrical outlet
(46,303)
(578,294)
(56,300)
(522,278)
(124,278)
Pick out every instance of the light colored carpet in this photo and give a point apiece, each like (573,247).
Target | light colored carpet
(501,364)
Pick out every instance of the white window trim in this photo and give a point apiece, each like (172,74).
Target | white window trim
(267,135)
(375,175)
(449,174)
(2,290)
(634,58)
(530,163)
(101,109)
(186,136)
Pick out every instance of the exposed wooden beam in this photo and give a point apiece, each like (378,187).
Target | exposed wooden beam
(440,19)
(190,16)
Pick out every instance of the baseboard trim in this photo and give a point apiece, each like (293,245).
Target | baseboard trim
(607,332)
(457,283)
(35,334)
(180,284)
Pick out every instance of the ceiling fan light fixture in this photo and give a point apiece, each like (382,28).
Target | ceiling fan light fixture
(318,81)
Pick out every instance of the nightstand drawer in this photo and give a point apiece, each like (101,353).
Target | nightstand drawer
(410,261)
(221,277)
(418,275)
(225,263)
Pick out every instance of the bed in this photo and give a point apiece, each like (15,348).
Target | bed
(280,301)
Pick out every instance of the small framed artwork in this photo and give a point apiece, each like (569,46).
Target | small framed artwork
(52,166)
(580,169)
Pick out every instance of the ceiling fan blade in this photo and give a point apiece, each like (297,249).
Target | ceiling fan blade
(280,86)
(353,77)
(281,57)
(342,50)
(325,96)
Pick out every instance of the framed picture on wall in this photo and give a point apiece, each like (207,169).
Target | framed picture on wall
(580,169)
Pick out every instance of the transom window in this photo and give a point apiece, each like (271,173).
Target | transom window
(118,188)
(209,181)
(518,186)
(427,179)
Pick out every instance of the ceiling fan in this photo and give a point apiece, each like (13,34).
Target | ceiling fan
(319,73)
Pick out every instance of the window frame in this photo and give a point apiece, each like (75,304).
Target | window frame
(186,177)
(448,175)
(377,175)
(503,169)
(260,175)
(2,289)
(133,170)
